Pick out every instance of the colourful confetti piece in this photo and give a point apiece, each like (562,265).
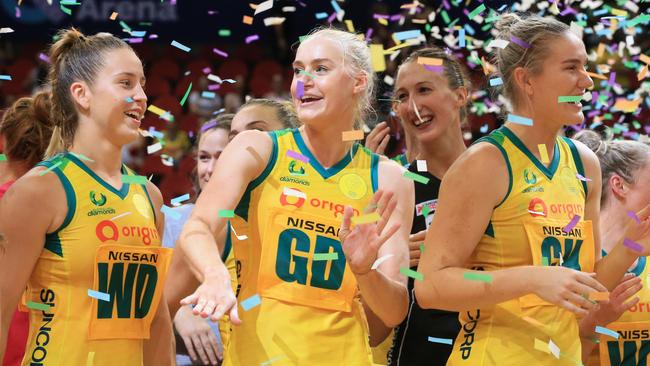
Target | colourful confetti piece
(134,179)
(326,256)
(153,148)
(99,295)
(543,153)
(541,346)
(300,89)
(366,219)
(631,214)
(441,340)
(38,306)
(421,165)
(3,157)
(113,16)
(519,42)
(599,296)
(381,260)
(180,46)
(475,276)
(294,155)
(168,211)
(251,302)
(416,177)
(352,135)
(5,77)
(229,214)
(177,200)
(54,166)
(430,61)
(476,11)
(584,179)
(496,82)
(247,20)
(377,57)
(90,360)
(461,37)
(187,93)
(224,32)
(252,38)
(607,332)
(519,120)
(569,98)
(574,221)
(409,34)
(263,6)
(411,273)
(632,245)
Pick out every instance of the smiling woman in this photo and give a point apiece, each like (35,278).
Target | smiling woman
(55,215)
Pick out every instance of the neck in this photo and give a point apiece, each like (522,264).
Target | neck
(326,143)
(412,149)
(612,224)
(541,132)
(12,170)
(441,153)
(106,157)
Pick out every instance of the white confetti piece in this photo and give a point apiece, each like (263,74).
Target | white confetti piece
(380,260)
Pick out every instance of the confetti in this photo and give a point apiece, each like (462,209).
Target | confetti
(208,95)
(294,193)
(160,112)
(220,53)
(229,214)
(584,179)
(3,157)
(168,211)
(134,179)
(642,74)
(377,57)
(294,155)
(519,42)
(555,350)
(496,82)
(366,219)
(239,237)
(187,93)
(251,302)
(543,153)
(631,214)
(441,340)
(352,135)
(99,295)
(430,61)
(475,276)
(38,306)
(90,361)
(569,98)
(50,168)
(574,221)
(252,38)
(247,20)
(421,165)
(300,89)
(381,260)
(326,256)
(180,46)
(6,30)
(411,273)
(599,296)
(224,33)
(120,215)
(263,6)
(461,37)
(519,120)
(632,245)
(416,177)
(607,332)
(541,346)
(625,105)
(154,148)
(128,100)
(5,77)
(274,21)
(113,16)
(499,43)
(177,200)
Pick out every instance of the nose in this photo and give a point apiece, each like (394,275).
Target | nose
(585,81)
(210,168)
(140,95)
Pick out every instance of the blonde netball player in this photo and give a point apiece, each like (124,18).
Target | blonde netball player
(625,169)
(303,267)
(77,232)
(530,223)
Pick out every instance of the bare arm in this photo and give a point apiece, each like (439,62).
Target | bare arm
(384,290)
(242,161)
(159,349)
(470,190)
(33,206)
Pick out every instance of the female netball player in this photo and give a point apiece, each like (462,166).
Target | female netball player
(81,238)
(264,115)
(300,266)
(25,132)
(432,106)
(625,167)
(522,217)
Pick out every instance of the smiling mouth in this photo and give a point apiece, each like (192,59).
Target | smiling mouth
(422,121)
(309,99)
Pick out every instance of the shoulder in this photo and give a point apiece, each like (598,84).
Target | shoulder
(154,194)
(588,157)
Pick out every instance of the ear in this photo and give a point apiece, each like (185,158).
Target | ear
(618,187)
(80,94)
(523,80)
(462,96)
(360,83)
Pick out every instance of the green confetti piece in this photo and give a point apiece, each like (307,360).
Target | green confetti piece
(639,19)
(426,210)
(607,116)
(411,273)
(38,306)
(416,177)
(569,98)
(224,32)
(308,74)
(187,93)
(476,11)
(56,165)
(453,22)
(82,157)
(125,26)
(65,10)
(134,179)
(636,125)
(227,213)
(427,28)
(326,256)
(445,16)
(545,261)
(474,276)
(422,248)
(3,157)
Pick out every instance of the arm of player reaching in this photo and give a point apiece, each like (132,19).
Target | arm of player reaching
(243,160)
(383,290)
(470,190)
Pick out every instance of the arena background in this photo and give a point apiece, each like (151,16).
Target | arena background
(233,54)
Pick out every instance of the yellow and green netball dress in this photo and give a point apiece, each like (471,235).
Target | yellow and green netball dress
(108,243)
(530,227)
(310,311)
(633,328)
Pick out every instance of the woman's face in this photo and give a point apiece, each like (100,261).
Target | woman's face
(255,117)
(638,196)
(116,100)
(211,145)
(329,90)
(563,74)
(424,102)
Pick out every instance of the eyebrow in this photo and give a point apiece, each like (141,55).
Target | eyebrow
(314,61)
(128,73)
(249,124)
(575,61)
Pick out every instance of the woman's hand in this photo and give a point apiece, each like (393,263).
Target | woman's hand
(378,138)
(199,338)
(213,298)
(566,287)
(361,243)
(415,241)
(608,311)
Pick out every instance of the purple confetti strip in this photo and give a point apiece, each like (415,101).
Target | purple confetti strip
(445,3)
(294,155)
(153,36)
(634,217)
(519,41)
(396,17)
(206,70)
(584,179)
(331,18)
(134,40)
(633,245)
(219,52)
(252,38)
(213,87)
(369,33)
(612,78)
(300,89)
(380,16)
(574,221)
(43,57)
(208,125)
(435,68)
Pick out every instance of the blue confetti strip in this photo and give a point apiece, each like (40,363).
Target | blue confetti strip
(441,340)
(251,302)
(99,295)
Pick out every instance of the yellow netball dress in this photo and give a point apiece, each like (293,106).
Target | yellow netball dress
(530,227)
(633,327)
(292,262)
(108,243)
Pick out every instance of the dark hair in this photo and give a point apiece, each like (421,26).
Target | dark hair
(454,71)
(284,109)
(74,57)
(529,36)
(621,157)
(27,128)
